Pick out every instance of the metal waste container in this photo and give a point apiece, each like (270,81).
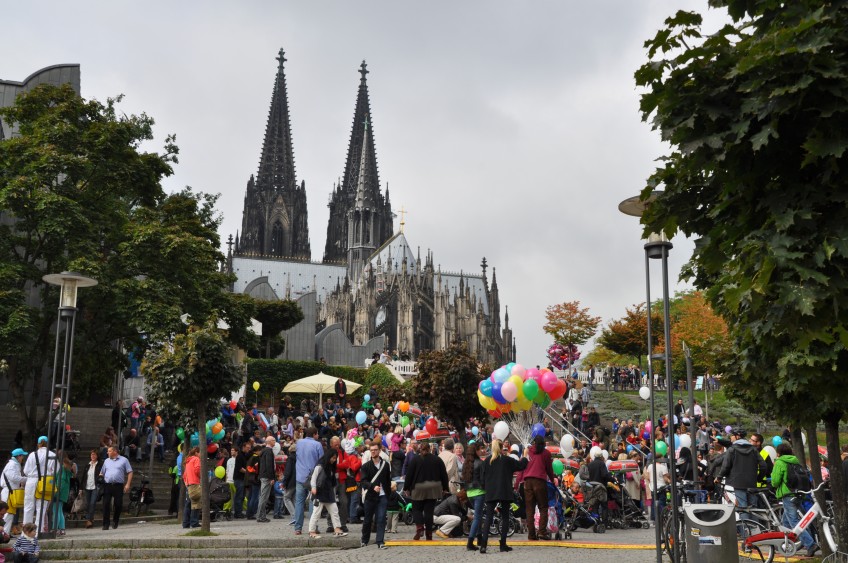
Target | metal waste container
(711,533)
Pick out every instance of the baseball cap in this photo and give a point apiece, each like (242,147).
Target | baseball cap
(514,448)
(42,439)
(18,451)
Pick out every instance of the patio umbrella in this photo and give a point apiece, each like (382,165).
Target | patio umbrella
(319,383)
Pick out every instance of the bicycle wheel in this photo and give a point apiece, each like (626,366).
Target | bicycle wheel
(132,507)
(668,538)
(745,529)
(495,526)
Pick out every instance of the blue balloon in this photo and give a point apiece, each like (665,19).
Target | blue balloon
(361,417)
(367,399)
(509,366)
(195,440)
(629,448)
(776,441)
(496,393)
(385,444)
(537,430)
(501,375)
(486,387)
(475,431)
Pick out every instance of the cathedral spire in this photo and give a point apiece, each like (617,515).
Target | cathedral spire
(276,164)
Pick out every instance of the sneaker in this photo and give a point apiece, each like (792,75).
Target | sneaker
(314,537)
(298,532)
(291,523)
(263,520)
(330,529)
(382,546)
(363,544)
(339,534)
(812,550)
(442,535)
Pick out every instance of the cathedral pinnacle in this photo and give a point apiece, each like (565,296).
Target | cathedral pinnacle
(363,69)
(281,56)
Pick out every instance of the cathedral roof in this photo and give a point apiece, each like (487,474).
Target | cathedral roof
(282,275)
(394,250)
(475,285)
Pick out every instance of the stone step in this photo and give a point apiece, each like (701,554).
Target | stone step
(155,516)
(189,542)
(180,554)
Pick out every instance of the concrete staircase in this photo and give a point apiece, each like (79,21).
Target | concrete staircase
(182,549)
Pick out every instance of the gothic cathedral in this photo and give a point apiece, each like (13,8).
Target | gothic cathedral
(370,292)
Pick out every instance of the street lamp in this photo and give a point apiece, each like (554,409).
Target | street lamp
(69,282)
(657,247)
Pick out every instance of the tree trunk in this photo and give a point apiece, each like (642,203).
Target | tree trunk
(837,485)
(798,444)
(815,469)
(204,472)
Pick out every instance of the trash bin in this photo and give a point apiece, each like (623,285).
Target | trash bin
(711,533)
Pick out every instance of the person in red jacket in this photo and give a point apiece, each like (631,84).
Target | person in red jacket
(539,471)
(353,455)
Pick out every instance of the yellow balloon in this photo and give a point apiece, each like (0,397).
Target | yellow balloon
(519,384)
(68,407)
(522,404)
(256,386)
(487,403)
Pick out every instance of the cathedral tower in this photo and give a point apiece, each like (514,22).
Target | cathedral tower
(360,185)
(274,221)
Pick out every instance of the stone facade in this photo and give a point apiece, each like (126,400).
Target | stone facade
(371,291)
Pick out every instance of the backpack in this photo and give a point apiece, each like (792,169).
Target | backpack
(798,477)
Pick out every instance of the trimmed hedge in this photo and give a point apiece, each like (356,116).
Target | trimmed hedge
(274,375)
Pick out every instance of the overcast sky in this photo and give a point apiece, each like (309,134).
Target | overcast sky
(509,130)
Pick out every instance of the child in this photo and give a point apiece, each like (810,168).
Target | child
(393,510)
(26,546)
(279,494)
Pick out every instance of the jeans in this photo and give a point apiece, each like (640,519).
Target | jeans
(353,505)
(791,517)
(191,517)
(375,507)
(253,500)
(288,501)
(238,501)
(299,504)
(278,506)
(264,495)
(479,511)
(90,504)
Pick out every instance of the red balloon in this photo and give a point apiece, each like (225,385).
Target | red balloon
(212,448)
(233,404)
(494,413)
(431,425)
(558,391)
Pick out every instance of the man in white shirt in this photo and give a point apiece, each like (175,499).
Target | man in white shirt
(663,478)
(39,463)
(13,478)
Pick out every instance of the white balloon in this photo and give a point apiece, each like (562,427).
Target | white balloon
(377,413)
(567,442)
(276,449)
(645,393)
(501,430)
(594,452)
(605,454)
(804,437)
(684,440)
(608,462)
(771,452)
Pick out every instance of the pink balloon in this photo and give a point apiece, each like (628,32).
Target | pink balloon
(648,425)
(533,374)
(548,382)
(509,391)
(518,370)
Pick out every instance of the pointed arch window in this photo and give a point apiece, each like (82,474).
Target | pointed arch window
(260,243)
(277,239)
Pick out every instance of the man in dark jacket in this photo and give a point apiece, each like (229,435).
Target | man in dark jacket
(377,483)
(289,482)
(741,467)
(598,472)
(266,478)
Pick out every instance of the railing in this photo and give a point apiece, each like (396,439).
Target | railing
(565,425)
(402,370)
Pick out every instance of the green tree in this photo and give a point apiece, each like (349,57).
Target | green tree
(193,372)
(569,324)
(447,382)
(756,117)
(628,336)
(78,193)
(275,316)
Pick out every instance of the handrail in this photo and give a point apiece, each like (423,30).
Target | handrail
(567,427)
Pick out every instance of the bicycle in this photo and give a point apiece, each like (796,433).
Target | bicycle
(140,497)
(785,541)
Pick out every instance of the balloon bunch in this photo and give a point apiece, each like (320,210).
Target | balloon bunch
(214,433)
(512,388)
(560,357)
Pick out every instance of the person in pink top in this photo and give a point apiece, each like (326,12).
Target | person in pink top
(397,439)
(536,476)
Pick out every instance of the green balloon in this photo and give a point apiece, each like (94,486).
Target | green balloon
(661,447)
(220,472)
(540,397)
(404,421)
(558,466)
(546,400)
(181,434)
(531,389)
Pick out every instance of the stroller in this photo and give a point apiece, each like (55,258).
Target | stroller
(219,495)
(557,525)
(586,514)
(622,511)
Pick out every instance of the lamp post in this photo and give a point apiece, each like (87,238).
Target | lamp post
(656,248)
(69,282)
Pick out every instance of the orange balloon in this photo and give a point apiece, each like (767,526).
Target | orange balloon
(505,408)
(158,420)
(404,406)
(217,428)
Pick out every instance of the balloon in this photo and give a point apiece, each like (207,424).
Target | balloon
(558,391)
(404,406)
(728,429)
(219,436)
(661,447)
(475,431)
(519,383)
(522,404)
(776,441)
(361,417)
(540,397)
(376,413)
(646,435)
(256,386)
(549,381)
(358,441)
(181,434)
(487,403)
(681,441)
(195,440)
(501,430)
(496,393)
(501,375)
(217,428)
(545,401)
(367,398)
(407,428)
(509,366)
(494,413)
(233,404)
(518,370)
(558,467)
(404,421)
(505,408)
(771,452)
(158,418)
(385,442)
(605,454)
(629,448)
(648,425)
(485,387)
(220,472)
(645,393)
(566,442)
(533,374)
(431,426)
(530,388)
(509,392)
(538,430)
(211,448)
(595,452)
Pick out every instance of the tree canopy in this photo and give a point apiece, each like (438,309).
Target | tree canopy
(628,336)
(756,117)
(568,323)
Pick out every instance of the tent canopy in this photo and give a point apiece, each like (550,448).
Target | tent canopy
(319,383)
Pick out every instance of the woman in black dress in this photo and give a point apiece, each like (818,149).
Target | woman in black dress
(497,481)
(426,481)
